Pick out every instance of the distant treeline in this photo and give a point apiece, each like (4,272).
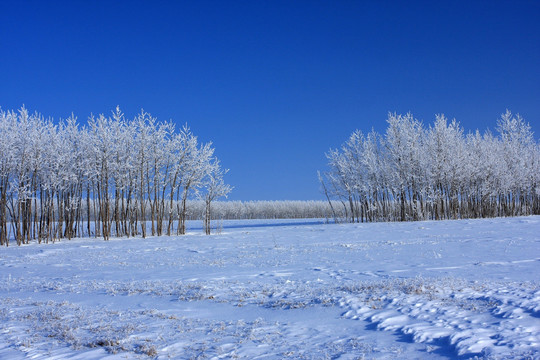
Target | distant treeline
(439,172)
(286,209)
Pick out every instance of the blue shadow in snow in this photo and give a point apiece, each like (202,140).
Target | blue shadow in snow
(266,225)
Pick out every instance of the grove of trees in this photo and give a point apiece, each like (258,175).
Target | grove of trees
(413,172)
(111,177)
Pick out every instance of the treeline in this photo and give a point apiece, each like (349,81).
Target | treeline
(65,180)
(275,209)
(439,172)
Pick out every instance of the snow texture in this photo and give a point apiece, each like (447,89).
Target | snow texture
(280,289)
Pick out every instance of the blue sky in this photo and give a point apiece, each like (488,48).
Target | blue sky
(274,84)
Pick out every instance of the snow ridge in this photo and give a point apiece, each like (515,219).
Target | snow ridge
(473,318)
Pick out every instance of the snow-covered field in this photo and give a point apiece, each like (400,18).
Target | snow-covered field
(282,289)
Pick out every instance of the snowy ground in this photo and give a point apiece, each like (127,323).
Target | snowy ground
(272,290)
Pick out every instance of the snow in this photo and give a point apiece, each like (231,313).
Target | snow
(280,289)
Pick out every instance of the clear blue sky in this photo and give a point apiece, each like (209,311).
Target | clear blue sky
(274,84)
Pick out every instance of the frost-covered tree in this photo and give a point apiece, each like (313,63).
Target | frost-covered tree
(196,166)
(215,188)
(518,151)
(404,140)
(446,160)
(180,147)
